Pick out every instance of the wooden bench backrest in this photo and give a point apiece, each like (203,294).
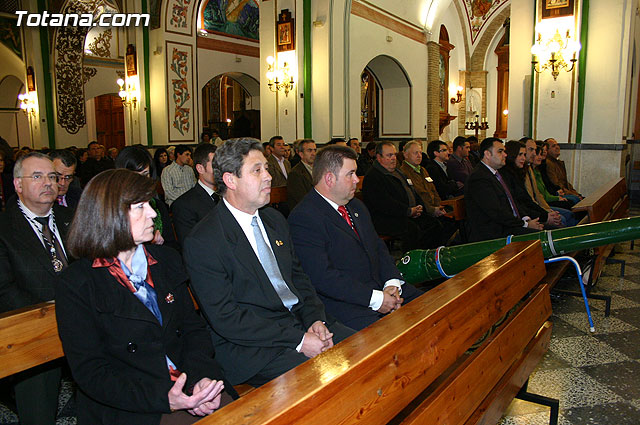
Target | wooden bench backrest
(459,212)
(608,202)
(278,195)
(370,377)
(28,338)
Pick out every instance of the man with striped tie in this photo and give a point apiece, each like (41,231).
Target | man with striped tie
(339,249)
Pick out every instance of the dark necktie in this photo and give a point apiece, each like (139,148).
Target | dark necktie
(270,266)
(345,214)
(58,258)
(215,197)
(506,189)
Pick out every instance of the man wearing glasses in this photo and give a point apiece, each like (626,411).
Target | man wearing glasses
(438,152)
(64,163)
(33,229)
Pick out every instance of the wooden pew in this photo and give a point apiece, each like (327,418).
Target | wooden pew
(278,195)
(412,367)
(459,212)
(609,202)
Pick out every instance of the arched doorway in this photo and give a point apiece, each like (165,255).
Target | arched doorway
(385,100)
(231,105)
(14,123)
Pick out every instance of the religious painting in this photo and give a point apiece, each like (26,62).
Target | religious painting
(178,16)
(180,92)
(479,12)
(130,61)
(286,34)
(10,34)
(237,18)
(557,8)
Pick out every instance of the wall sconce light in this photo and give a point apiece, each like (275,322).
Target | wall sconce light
(128,91)
(28,103)
(458,96)
(278,79)
(477,124)
(549,53)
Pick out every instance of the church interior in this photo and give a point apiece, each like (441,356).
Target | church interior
(375,70)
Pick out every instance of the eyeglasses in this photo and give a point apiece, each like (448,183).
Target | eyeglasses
(41,178)
(65,178)
(443,150)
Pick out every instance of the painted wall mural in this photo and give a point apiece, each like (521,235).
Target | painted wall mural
(178,16)
(10,34)
(233,17)
(180,92)
(479,12)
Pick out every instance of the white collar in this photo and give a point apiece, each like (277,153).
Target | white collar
(30,214)
(493,170)
(241,217)
(333,204)
(206,188)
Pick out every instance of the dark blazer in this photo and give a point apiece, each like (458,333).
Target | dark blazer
(168,233)
(73,196)
(387,201)
(26,274)
(189,209)
(299,184)
(278,178)
(116,348)
(250,325)
(445,185)
(526,205)
(344,267)
(459,170)
(489,214)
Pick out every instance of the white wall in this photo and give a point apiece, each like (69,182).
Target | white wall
(490,65)
(369,40)
(521,38)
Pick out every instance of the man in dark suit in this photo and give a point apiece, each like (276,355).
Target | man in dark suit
(299,181)
(32,233)
(339,249)
(65,163)
(279,166)
(458,166)
(438,152)
(396,208)
(492,211)
(193,205)
(263,311)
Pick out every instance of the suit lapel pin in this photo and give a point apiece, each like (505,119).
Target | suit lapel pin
(356,214)
(169,298)
(279,243)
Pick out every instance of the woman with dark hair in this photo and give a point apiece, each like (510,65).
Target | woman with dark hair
(513,173)
(138,159)
(136,347)
(161,159)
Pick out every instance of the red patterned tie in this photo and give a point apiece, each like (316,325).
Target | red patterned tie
(345,214)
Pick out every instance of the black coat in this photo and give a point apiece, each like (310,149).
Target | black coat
(189,209)
(250,325)
(446,186)
(116,348)
(344,267)
(387,201)
(26,273)
(489,214)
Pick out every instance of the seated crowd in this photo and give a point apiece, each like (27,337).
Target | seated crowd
(116,240)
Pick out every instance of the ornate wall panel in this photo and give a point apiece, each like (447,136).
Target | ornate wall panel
(180,92)
(478,13)
(178,16)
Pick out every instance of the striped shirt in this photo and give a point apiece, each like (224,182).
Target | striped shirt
(176,180)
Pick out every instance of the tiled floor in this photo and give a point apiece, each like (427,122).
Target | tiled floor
(596,376)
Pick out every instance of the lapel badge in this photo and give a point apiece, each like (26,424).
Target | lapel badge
(169,298)
(279,243)
(356,214)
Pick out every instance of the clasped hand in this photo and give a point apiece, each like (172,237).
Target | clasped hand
(391,301)
(204,400)
(316,340)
